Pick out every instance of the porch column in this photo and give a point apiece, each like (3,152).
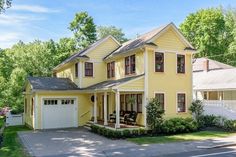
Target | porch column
(95,108)
(105,108)
(117,109)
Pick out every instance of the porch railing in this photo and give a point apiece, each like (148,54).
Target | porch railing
(225,108)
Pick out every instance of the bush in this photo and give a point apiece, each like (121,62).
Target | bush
(196,109)
(155,114)
(210,121)
(230,125)
(179,125)
(117,134)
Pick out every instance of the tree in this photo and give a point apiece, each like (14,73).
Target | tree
(197,110)
(208,32)
(4,4)
(155,114)
(104,31)
(84,29)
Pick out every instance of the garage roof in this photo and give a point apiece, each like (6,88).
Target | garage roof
(52,83)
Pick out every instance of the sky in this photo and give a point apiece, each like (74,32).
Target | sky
(31,20)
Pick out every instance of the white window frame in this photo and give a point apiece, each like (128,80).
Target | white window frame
(177,102)
(84,69)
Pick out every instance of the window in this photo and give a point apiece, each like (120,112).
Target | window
(32,106)
(50,102)
(25,105)
(205,95)
(159,62)
(88,69)
(76,70)
(136,105)
(67,101)
(130,65)
(180,63)
(110,69)
(161,98)
(181,102)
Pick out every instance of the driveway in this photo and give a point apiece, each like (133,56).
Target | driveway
(69,142)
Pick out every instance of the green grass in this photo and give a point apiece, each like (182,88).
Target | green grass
(11,145)
(201,135)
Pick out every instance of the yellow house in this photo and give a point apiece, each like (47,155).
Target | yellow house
(111,83)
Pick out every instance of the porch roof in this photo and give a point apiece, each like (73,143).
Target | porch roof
(109,84)
(224,79)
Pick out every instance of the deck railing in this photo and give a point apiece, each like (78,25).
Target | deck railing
(226,108)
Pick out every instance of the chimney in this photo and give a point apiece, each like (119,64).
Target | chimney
(206,65)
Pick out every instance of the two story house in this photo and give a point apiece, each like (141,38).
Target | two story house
(103,78)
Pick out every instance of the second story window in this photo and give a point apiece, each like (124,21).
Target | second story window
(180,63)
(88,68)
(130,65)
(110,69)
(76,70)
(159,62)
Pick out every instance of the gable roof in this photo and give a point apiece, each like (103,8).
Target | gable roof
(224,79)
(198,65)
(147,39)
(111,83)
(82,53)
(51,83)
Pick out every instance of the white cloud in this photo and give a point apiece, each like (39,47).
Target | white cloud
(33,8)
(8,39)
(14,19)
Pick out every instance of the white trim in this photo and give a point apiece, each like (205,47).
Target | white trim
(130,90)
(61,97)
(80,68)
(117,99)
(161,92)
(176,67)
(127,82)
(105,108)
(185,102)
(145,86)
(164,54)
(36,112)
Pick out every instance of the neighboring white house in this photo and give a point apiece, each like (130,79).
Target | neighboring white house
(215,84)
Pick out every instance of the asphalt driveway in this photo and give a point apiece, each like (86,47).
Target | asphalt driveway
(69,142)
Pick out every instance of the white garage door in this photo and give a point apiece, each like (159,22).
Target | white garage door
(59,113)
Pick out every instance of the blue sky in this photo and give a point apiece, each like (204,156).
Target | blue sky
(29,20)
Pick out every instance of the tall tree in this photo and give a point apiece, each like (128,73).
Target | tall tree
(103,31)
(84,29)
(4,4)
(208,32)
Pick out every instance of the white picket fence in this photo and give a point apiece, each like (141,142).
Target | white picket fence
(225,108)
(14,119)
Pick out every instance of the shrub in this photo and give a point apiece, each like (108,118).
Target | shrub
(230,125)
(197,110)
(126,133)
(210,121)
(179,125)
(155,114)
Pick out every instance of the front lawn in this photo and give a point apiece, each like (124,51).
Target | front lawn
(201,135)
(11,144)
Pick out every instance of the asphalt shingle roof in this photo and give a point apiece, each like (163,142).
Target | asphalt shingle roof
(52,83)
(198,65)
(111,83)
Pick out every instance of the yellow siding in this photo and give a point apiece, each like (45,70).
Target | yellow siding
(120,65)
(170,41)
(133,85)
(28,97)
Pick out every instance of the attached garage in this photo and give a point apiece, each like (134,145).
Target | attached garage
(59,112)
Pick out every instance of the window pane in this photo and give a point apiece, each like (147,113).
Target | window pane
(181,103)
(88,69)
(181,63)
(76,69)
(132,68)
(127,65)
(139,103)
(159,59)
(161,98)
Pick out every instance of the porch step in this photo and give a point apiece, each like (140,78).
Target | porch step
(88,125)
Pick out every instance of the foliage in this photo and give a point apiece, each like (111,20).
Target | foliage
(210,31)
(211,121)
(154,115)
(117,33)
(117,134)
(197,109)
(84,29)
(4,4)
(33,59)
(230,125)
(179,125)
